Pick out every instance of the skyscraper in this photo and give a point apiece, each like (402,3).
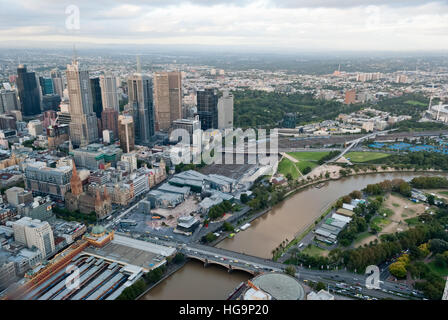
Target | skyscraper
(83,124)
(46,85)
(109,93)
(58,84)
(167,98)
(225,111)
(28,91)
(126,133)
(8,101)
(140,102)
(96,96)
(109,121)
(208,108)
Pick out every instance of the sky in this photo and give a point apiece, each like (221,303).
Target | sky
(277,25)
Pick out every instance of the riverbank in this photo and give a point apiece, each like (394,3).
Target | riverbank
(170,270)
(303,233)
(288,220)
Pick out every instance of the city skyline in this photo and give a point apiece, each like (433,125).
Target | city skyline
(290,25)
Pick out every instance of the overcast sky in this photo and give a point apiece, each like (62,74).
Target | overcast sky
(316,25)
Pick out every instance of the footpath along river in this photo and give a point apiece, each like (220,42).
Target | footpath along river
(284,221)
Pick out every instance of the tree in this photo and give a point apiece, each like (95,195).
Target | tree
(289,176)
(210,237)
(431,199)
(227,226)
(398,269)
(306,170)
(438,245)
(244,198)
(356,194)
(320,286)
(291,270)
(405,189)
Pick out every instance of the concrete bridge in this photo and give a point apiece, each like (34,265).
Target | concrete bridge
(230,259)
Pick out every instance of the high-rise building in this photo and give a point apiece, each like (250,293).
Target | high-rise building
(225,110)
(29,93)
(51,102)
(350,96)
(207,104)
(109,92)
(34,233)
(58,84)
(167,98)
(109,121)
(126,133)
(35,128)
(96,96)
(46,85)
(8,101)
(191,128)
(43,180)
(83,124)
(141,104)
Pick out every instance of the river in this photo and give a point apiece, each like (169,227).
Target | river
(284,221)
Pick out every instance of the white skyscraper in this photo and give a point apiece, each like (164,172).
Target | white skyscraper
(34,233)
(109,93)
(225,111)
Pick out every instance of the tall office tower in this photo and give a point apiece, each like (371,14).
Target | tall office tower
(140,101)
(29,93)
(8,101)
(46,85)
(109,92)
(34,233)
(225,110)
(96,96)
(208,108)
(167,99)
(58,84)
(126,133)
(109,121)
(83,124)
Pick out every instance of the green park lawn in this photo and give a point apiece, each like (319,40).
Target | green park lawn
(287,166)
(441,271)
(357,156)
(415,103)
(303,164)
(313,156)
(314,251)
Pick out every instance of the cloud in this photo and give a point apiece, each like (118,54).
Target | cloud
(307,24)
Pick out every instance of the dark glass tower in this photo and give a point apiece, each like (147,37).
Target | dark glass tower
(28,91)
(208,108)
(96,96)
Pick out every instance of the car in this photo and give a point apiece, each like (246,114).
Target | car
(222,259)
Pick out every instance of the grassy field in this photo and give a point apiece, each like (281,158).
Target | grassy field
(303,164)
(308,159)
(287,166)
(412,221)
(314,251)
(365,156)
(380,222)
(313,156)
(441,271)
(361,237)
(415,103)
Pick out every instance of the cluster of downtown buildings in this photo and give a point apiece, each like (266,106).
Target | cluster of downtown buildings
(88,145)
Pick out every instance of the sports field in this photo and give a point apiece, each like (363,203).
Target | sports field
(365,156)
